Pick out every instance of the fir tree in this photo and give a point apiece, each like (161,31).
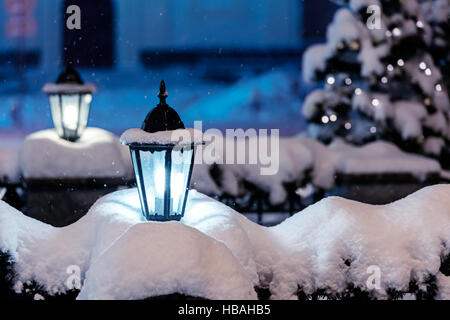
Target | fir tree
(385,76)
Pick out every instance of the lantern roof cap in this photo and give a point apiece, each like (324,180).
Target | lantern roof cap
(69,75)
(69,82)
(179,137)
(162,117)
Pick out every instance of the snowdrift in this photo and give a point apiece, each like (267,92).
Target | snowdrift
(329,250)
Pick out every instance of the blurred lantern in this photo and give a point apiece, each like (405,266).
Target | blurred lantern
(163,168)
(70,100)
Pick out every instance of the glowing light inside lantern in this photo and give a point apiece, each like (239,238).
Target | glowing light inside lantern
(70,116)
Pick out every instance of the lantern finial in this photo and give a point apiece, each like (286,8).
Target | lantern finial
(163,117)
(162,93)
(69,75)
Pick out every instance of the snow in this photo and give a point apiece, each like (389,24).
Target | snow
(299,155)
(377,106)
(202,180)
(444,286)
(324,163)
(290,163)
(191,263)
(425,81)
(408,118)
(434,145)
(9,146)
(318,99)
(441,100)
(437,10)
(391,237)
(345,28)
(356,5)
(153,259)
(179,137)
(313,61)
(54,88)
(217,253)
(381,157)
(445,174)
(9,170)
(98,153)
(437,123)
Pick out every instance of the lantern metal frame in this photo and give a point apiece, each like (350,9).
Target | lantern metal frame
(167,214)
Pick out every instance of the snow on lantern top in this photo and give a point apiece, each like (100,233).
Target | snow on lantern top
(162,126)
(69,82)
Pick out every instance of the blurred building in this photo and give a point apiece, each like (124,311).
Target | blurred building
(127,33)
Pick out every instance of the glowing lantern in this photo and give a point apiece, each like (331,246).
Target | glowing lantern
(162,167)
(70,101)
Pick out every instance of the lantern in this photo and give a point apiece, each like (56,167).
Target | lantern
(70,100)
(162,164)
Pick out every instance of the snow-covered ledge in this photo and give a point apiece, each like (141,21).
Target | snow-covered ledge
(97,154)
(217,253)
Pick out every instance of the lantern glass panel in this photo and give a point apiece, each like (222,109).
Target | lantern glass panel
(181,166)
(162,198)
(70,114)
(55,109)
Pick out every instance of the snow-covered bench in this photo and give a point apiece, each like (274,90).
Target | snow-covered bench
(336,248)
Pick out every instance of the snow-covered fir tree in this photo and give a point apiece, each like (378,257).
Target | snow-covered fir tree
(436,13)
(387,81)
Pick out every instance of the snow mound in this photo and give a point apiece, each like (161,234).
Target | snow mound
(98,153)
(217,253)
(195,264)
(179,137)
(153,259)
(405,240)
(381,157)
